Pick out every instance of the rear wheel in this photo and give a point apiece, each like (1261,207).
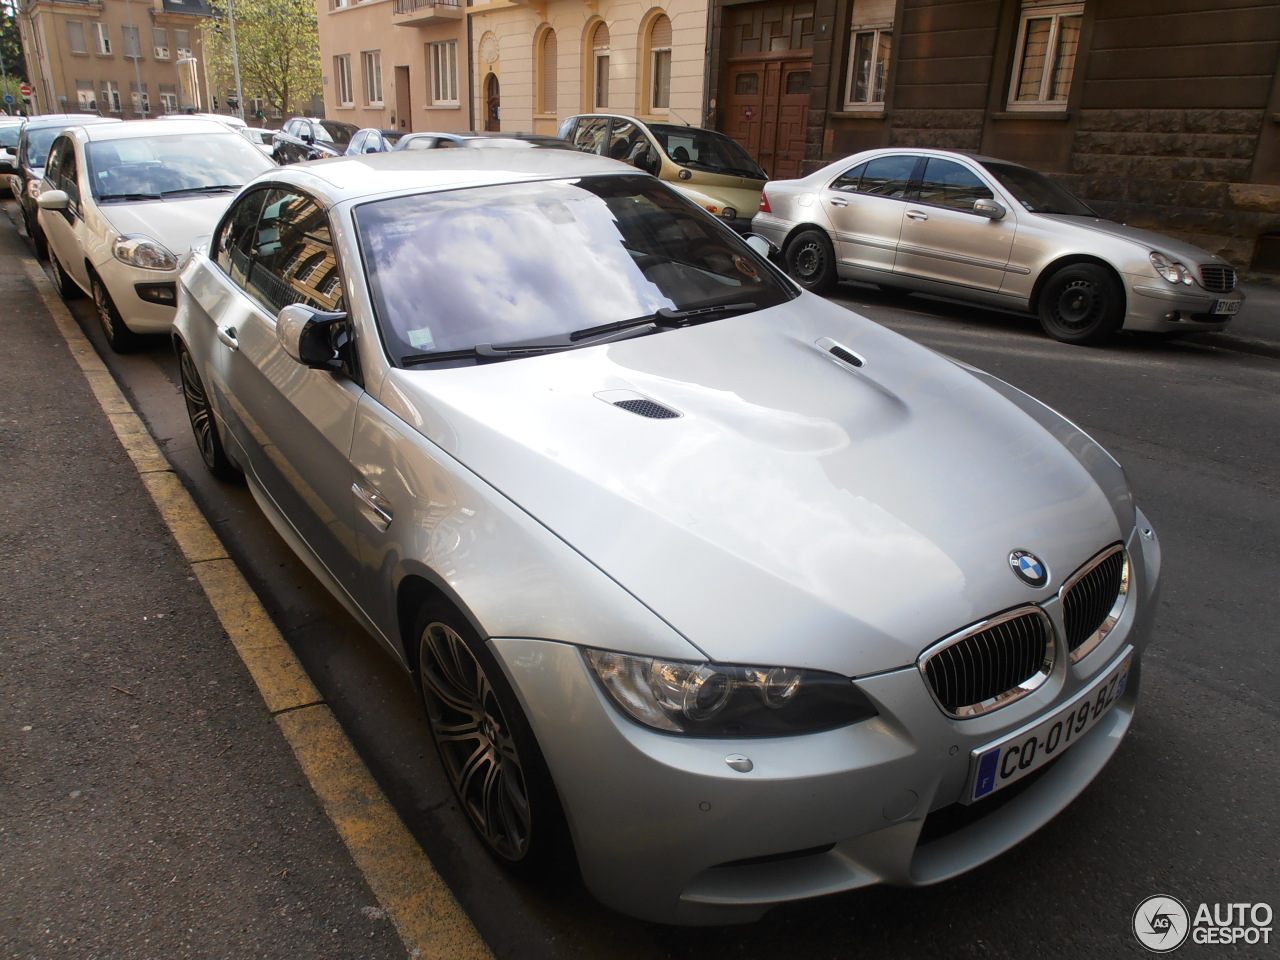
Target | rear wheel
(811,261)
(1082,303)
(485,744)
(203,425)
(120,338)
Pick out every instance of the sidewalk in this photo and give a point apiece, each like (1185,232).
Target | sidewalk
(149,805)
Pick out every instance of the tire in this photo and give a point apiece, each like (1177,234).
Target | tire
(1082,304)
(486,746)
(38,241)
(203,424)
(811,261)
(119,337)
(67,288)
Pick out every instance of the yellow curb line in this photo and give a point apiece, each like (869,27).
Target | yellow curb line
(430,922)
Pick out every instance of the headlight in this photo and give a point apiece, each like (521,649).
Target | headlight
(727,700)
(140,251)
(1171,270)
(33,188)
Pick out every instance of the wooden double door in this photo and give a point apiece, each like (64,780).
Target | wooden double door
(766,109)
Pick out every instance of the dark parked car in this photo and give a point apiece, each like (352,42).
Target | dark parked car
(373,140)
(37,137)
(435,141)
(10,130)
(309,138)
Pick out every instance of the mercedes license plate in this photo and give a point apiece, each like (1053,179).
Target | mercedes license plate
(1225,307)
(1008,760)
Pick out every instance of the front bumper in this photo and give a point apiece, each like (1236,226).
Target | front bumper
(1159,307)
(665,830)
(123,282)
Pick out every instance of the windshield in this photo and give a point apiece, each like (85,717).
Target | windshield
(700,149)
(455,269)
(38,143)
(153,167)
(1037,192)
(335,131)
(9,134)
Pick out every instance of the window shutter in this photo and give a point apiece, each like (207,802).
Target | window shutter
(661,36)
(550,63)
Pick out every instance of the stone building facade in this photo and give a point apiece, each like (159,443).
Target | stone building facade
(1165,115)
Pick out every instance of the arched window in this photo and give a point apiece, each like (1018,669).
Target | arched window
(548,65)
(599,61)
(659,56)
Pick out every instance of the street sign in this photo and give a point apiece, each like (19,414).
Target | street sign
(8,98)
(25,89)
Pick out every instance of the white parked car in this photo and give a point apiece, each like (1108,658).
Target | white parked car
(120,204)
(752,597)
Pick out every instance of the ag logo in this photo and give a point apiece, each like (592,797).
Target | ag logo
(1161,923)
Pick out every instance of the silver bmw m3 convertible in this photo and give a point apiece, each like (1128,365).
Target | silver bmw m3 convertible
(732,594)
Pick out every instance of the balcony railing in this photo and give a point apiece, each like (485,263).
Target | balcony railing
(427,11)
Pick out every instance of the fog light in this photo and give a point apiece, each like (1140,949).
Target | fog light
(165,294)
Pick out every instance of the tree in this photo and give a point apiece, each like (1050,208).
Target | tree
(15,67)
(279,50)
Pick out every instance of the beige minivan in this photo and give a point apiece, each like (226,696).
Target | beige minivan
(708,167)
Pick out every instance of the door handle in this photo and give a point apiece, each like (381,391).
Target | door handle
(917,215)
(838,201)
(228,336)
(372,507)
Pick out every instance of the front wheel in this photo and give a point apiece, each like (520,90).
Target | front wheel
(66,286)
(811,261)
(119,337)
(37,236)
(1082,303)
(485,744)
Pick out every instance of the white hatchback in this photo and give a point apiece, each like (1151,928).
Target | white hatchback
(120,204)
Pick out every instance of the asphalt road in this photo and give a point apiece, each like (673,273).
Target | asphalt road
(1186,808)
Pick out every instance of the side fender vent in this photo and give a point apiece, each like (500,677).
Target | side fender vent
(647,408)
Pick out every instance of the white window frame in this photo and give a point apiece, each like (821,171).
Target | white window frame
(659,99)
(1055,12)
(343,90)
(86,95)
(140,104)
(168,98)
(160,51)
(78,26)
(600,79)
(881,54)
(109,102)
(181,48)
(444,73)
(101,39)
(372,78)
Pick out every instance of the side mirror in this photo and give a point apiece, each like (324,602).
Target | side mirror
(307,137)
(53,200)
(646,161)
(762,245)
(989,209)
(312,337)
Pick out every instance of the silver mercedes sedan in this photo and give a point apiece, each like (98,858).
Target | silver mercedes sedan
(727,592)
(994,233)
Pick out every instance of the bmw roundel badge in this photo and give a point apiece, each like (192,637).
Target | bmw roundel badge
(1029,568)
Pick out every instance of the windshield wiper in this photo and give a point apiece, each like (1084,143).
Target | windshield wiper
(128,196)
(213,188)
(605,332)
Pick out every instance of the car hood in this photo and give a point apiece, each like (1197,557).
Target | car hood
(175,222)
(798,510)
(1177,249)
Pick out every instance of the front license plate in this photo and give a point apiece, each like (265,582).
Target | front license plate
(1007,761)
(1225,307)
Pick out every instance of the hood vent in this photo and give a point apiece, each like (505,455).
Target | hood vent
(840,352)
(647,408)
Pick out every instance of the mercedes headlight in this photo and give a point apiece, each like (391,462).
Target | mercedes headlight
(139,251)
(1171,270)
(727,700)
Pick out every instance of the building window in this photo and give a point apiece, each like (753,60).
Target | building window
(373,78)
(444,73)
(169,97)
(110,99)
(141,102)
(600,67)
(75,37)
(342,74)
(101,40)
(548,72)
(160,43)
(870,44)
(660,64)
(1045,58)
(337,4)
(132,45)
(85,97)
(182,43)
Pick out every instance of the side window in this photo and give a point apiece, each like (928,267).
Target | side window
(623,139)
(357,143)
(421,143)
(948,184)
(848,181)
(54,163)
(292,259)
(234,238)
(888,176)
(591,134)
